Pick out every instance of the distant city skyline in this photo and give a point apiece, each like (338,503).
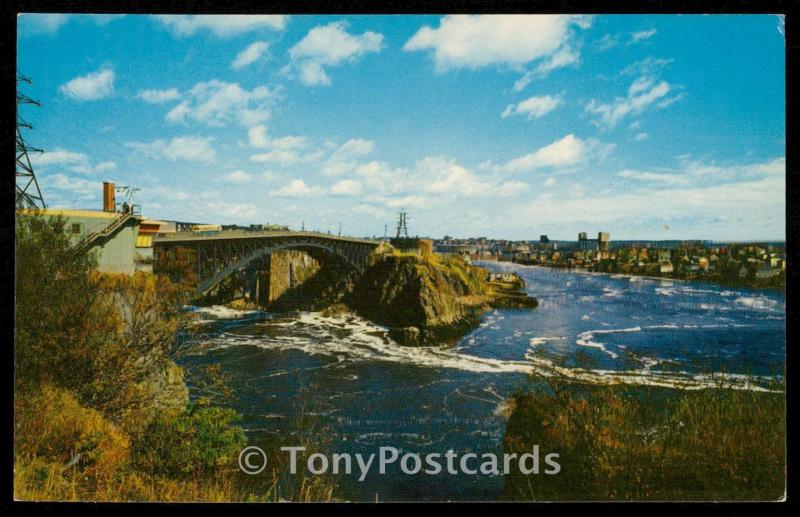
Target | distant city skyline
(649,127)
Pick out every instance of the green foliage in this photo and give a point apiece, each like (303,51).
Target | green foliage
(54,303)
(198,442)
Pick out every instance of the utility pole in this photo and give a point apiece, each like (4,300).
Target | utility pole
(28,194)
(340,229)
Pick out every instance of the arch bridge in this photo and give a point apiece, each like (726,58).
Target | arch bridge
(219,255)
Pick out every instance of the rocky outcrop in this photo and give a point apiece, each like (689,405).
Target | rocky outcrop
(428,301)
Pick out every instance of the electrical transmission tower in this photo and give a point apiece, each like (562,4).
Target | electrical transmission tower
(28,193)
(402,229)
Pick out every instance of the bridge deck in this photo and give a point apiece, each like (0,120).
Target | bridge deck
(241,234)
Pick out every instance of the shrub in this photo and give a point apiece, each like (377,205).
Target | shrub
(197,443)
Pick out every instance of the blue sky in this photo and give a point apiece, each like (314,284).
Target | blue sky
(657,126)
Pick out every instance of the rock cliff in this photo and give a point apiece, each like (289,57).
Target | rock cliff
(428,301)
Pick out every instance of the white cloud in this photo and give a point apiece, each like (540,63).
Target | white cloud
(475,41)
(92,86)
(703,174)
(42,23)
(640,137)
(250,55)
(566,152)
(159,96)
(217,103)
(189,148)
(50,23)
(760,191)
(653,177)
(237,177)
(646,67)
(347,188)
(642,35)
(330,45)
(642,93)
(233,211)
(257,136)
(70,161)
(534,107)
(550,182)
(222,25)
(344,158)
(59,157)
(105,166)
(296,188)
(85,189)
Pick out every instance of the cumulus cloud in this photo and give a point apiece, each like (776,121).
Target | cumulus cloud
(217,103)
(82,188)
(329,45)
(222,25)
(70,161)
(534,107)
(345,158)
(188,148)
(642,93)
(92,86)
(296,188)
(566,152)
(257,136)
(237,177)
(250,55)
(347,188)
(159,96)
(476,41)
(287,150)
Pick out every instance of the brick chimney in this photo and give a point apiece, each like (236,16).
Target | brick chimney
(109,201)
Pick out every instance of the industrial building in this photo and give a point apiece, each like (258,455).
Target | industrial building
(120,236)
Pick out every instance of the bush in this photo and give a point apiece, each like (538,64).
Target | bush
(643,443)
(197,443)
(59,442)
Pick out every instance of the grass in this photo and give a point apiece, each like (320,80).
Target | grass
(641,444)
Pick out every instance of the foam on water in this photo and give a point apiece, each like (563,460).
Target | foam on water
(349,337)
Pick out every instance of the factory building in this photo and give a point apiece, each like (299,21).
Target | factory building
(120,237)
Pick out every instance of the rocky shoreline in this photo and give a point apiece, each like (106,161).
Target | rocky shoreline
(423,301)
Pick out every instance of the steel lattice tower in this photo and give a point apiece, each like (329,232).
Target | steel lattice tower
(402,229)
(28,193)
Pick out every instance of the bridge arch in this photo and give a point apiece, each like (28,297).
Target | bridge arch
(205,285)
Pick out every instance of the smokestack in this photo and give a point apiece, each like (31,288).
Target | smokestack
(109,201)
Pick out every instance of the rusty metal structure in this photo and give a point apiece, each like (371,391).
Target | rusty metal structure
(220,255)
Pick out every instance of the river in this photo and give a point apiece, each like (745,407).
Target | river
(370,392)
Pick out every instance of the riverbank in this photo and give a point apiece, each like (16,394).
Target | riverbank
(777,282)
(619,443)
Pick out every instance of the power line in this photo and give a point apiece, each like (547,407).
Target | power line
(28,193)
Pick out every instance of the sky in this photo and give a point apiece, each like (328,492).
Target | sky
(509,127)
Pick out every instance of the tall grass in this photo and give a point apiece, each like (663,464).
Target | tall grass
(630,443)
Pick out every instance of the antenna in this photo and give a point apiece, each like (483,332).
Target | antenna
(28,194)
